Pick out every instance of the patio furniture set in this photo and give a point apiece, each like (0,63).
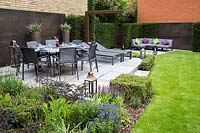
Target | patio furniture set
(53,56)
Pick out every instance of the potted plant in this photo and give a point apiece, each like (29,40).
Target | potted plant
(35,31)
(65,32)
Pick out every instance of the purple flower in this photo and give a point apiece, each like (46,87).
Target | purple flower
(112,116)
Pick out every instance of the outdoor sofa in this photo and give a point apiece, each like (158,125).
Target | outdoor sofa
(162,43)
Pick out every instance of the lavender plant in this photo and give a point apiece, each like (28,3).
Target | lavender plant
(108,120)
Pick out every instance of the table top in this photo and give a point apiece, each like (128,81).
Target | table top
(44,48)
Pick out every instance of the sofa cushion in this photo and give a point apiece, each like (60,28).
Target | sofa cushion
(155,41)
(165,42)
(145,40)
(137,41)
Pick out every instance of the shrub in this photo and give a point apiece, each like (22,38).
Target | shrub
(130,31)
(83,112)
(147,63)
(115,96)
(108,120)
(105,34)
(134,86)
(11,85)
(150,30)
(56,115)
(196,37)
(77,26)
(8,120)
(135,102)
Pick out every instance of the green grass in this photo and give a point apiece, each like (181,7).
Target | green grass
(175,106)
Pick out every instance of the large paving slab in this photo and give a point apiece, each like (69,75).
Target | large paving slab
(107,71)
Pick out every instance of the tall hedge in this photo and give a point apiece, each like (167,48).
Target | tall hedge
(77,27)
(150,30)
(105,34)
(91,6)
(131,30)
(196,37)
(136,30)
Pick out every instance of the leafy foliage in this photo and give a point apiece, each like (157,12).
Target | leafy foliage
(8,120)
(11,85)
(106,34)
(65,26)
(135,102)
(135,86)
(77,26)
(108,119)
(196,37)
(147,63)
(82,112)
(34,27)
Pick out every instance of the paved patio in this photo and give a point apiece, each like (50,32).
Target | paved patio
(107,71)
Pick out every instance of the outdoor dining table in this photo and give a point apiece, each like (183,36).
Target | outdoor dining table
(55,51)
(44,48)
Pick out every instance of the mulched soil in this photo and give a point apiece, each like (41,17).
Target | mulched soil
(135,115)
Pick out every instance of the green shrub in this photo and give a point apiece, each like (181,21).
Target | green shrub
(115,99)
(27,110)
(105,34)
(108,120)
(134,86)
(135,102)
(77,27)
(11,85)
(56,115)
(83,112)
(147,63)
(196,37)
(131,31)
(150,30)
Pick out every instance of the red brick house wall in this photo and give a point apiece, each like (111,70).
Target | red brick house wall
(168,11)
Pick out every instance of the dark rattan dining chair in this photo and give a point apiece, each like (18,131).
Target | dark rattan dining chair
(67,56)
(30,56)
(90,56)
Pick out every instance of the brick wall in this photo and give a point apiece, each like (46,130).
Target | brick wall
(162,11)
(54,6)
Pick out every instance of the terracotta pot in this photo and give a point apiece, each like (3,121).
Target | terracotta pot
(66,36)
(36,36)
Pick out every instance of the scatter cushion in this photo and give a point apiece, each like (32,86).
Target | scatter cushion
(145,40)
(155,41)
(165,42)
(137,41)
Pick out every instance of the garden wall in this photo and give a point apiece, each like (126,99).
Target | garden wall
(181,33)
(13,26)
(67,7)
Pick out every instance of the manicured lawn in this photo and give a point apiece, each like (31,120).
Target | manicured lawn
(175,106)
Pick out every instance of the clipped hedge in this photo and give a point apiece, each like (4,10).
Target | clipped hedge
(130,31)
(147,63)
(105,34)
(196,37)
(77,24)
(136,30)
(150,30)
(139,87)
